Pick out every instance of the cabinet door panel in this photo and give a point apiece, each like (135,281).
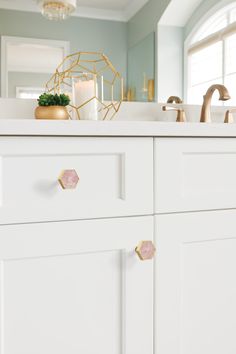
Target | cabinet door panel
(76,287)
(195,174)
(196,288)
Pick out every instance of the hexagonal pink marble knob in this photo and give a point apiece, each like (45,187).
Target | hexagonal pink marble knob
(68,179)
(145,250)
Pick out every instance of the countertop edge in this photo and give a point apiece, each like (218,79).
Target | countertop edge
(20,127)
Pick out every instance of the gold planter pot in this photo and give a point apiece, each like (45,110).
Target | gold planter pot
(51,112)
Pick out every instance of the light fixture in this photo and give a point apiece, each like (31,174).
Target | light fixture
(57,9)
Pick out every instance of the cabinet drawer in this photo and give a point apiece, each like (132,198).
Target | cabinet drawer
(76,287)
(195,174)
(115,178)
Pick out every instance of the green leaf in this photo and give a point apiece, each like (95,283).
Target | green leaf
(48,99)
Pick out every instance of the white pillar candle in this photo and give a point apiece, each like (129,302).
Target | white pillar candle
(83,91)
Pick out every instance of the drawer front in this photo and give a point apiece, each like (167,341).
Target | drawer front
(195,174)
(115,178)
(76,287)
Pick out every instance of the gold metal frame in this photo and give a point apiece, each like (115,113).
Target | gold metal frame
(75,66)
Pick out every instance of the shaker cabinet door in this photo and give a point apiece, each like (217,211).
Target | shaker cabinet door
(196,283)
(76,287)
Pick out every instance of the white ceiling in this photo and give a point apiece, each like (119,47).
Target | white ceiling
(105,4)
(117,10)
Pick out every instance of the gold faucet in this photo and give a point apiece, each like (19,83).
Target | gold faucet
(224,96)
(174,99)
(229,116)
(181,117)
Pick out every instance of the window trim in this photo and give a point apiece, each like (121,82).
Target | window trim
(212,39)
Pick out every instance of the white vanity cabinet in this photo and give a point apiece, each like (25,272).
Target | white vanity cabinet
(71,278)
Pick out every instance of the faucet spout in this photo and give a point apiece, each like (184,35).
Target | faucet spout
(224,96)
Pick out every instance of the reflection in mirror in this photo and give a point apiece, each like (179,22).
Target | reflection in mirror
(27,64)
(141,70)
(33,47)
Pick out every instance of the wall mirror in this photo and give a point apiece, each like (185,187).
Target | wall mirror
(159,50)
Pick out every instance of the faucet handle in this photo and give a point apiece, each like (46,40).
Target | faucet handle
(181,116)
(229,115)
(174,99)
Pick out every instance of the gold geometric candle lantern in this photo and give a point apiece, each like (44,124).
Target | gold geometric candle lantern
(93,84)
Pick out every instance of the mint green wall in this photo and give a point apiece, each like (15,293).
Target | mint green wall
(84,34)
(146,20)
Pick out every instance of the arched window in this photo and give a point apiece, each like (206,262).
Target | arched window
(211,56)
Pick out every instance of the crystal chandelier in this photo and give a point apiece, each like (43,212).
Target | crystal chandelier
(57,9)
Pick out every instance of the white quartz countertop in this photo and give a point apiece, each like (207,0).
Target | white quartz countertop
(27,127)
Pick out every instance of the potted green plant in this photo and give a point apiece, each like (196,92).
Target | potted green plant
(52,106)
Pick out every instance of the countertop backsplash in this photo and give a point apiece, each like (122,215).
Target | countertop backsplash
(12,108)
